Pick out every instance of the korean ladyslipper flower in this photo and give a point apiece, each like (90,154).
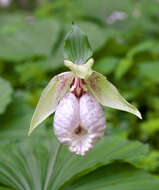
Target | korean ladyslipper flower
(76,98)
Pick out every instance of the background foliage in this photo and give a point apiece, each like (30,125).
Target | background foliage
(125,39)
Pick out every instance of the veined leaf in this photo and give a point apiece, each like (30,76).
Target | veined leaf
(5,94)
(5,188)
(50,98)
(116,176)
(42,164)
(23,37)
(15,122)
(108,95)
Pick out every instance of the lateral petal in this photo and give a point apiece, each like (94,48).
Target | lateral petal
(107,94)
(50,97)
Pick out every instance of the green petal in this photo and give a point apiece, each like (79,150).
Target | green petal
(108,95)
(54,91)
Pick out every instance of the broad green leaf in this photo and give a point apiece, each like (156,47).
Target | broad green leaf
(54,91)
(24,38)
(5,188)
(15,122)
(5,94)
(108,95)
(116,177)
(44,165)
(76,47)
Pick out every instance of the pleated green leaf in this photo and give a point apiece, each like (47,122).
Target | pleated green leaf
(15,121)
(44,165)
(5,188)
(116,177)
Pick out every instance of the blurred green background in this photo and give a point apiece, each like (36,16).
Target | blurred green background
(124,36)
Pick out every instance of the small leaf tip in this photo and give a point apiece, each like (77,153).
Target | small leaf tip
(139,114)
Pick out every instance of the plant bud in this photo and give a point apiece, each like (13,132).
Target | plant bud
(79,122)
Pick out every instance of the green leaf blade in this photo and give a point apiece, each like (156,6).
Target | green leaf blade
(21,39)
(116,176)
(32,162)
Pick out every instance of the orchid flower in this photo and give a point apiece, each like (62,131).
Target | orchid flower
(76,98)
